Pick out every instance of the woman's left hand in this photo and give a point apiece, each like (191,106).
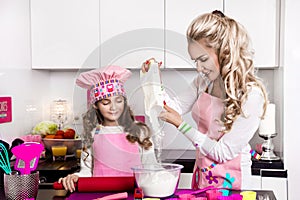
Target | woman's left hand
(171,116)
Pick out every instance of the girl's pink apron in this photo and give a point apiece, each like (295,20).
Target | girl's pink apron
(206,112)
(114,155)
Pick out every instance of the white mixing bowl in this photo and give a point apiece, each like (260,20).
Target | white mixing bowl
(157,180)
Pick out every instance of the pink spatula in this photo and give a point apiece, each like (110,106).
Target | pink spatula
(27,156)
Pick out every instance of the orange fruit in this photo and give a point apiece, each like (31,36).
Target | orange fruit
(49,136)
(58,137)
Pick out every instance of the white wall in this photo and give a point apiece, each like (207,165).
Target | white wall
(25,86)
(291,66)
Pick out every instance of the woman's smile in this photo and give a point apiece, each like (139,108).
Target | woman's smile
(205,59)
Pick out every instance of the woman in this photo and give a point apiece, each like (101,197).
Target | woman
(226,99)
(118,142)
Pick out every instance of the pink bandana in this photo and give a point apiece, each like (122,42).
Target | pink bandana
(104,82)
(104,89)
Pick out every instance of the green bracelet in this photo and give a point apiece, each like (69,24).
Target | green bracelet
(185,128)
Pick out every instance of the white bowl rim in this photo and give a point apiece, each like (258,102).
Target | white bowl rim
(138,168)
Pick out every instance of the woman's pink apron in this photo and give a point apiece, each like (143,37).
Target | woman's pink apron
(114,155)
(206,112)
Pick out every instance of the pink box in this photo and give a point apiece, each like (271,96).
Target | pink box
(140,118)
(5,109)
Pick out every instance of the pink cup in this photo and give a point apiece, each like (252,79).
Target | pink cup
(213,194)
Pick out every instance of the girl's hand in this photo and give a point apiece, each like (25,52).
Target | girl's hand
(145,65)
(171,116)
(68,182)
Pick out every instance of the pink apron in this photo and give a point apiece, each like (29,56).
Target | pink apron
(114,155)
(206,112)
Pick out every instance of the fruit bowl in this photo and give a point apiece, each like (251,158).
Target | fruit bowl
(157,180)
(71,144)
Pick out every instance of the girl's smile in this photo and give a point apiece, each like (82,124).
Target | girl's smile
(111,109)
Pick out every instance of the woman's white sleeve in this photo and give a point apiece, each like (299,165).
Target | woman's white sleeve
(85,164)
(232,143)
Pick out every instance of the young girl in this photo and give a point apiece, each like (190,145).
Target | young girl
(118,142)
(226,99)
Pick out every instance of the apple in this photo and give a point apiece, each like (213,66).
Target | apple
(69,133)
(60,132)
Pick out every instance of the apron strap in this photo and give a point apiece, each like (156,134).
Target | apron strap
(196,179)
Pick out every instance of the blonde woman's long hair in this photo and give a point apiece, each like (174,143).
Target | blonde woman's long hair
(232,45)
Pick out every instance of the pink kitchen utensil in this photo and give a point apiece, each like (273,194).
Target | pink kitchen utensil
(122,195)
(27,156)
(186,196)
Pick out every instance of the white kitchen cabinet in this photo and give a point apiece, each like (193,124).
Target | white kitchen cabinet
(261,19)
(185,181)
(255,182)
(178,15)
(64,34)
(131,32)
(275,180)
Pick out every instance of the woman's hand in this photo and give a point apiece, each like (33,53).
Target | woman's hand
(146,64)
(68,182)
(171,116)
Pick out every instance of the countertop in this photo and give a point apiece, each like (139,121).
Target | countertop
(187,159)
(49,194)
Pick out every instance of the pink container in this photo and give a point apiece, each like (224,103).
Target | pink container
(236,197)
(140,118)
(199,198)
(225,198)
(213,194)
(186,196)
(224,192)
